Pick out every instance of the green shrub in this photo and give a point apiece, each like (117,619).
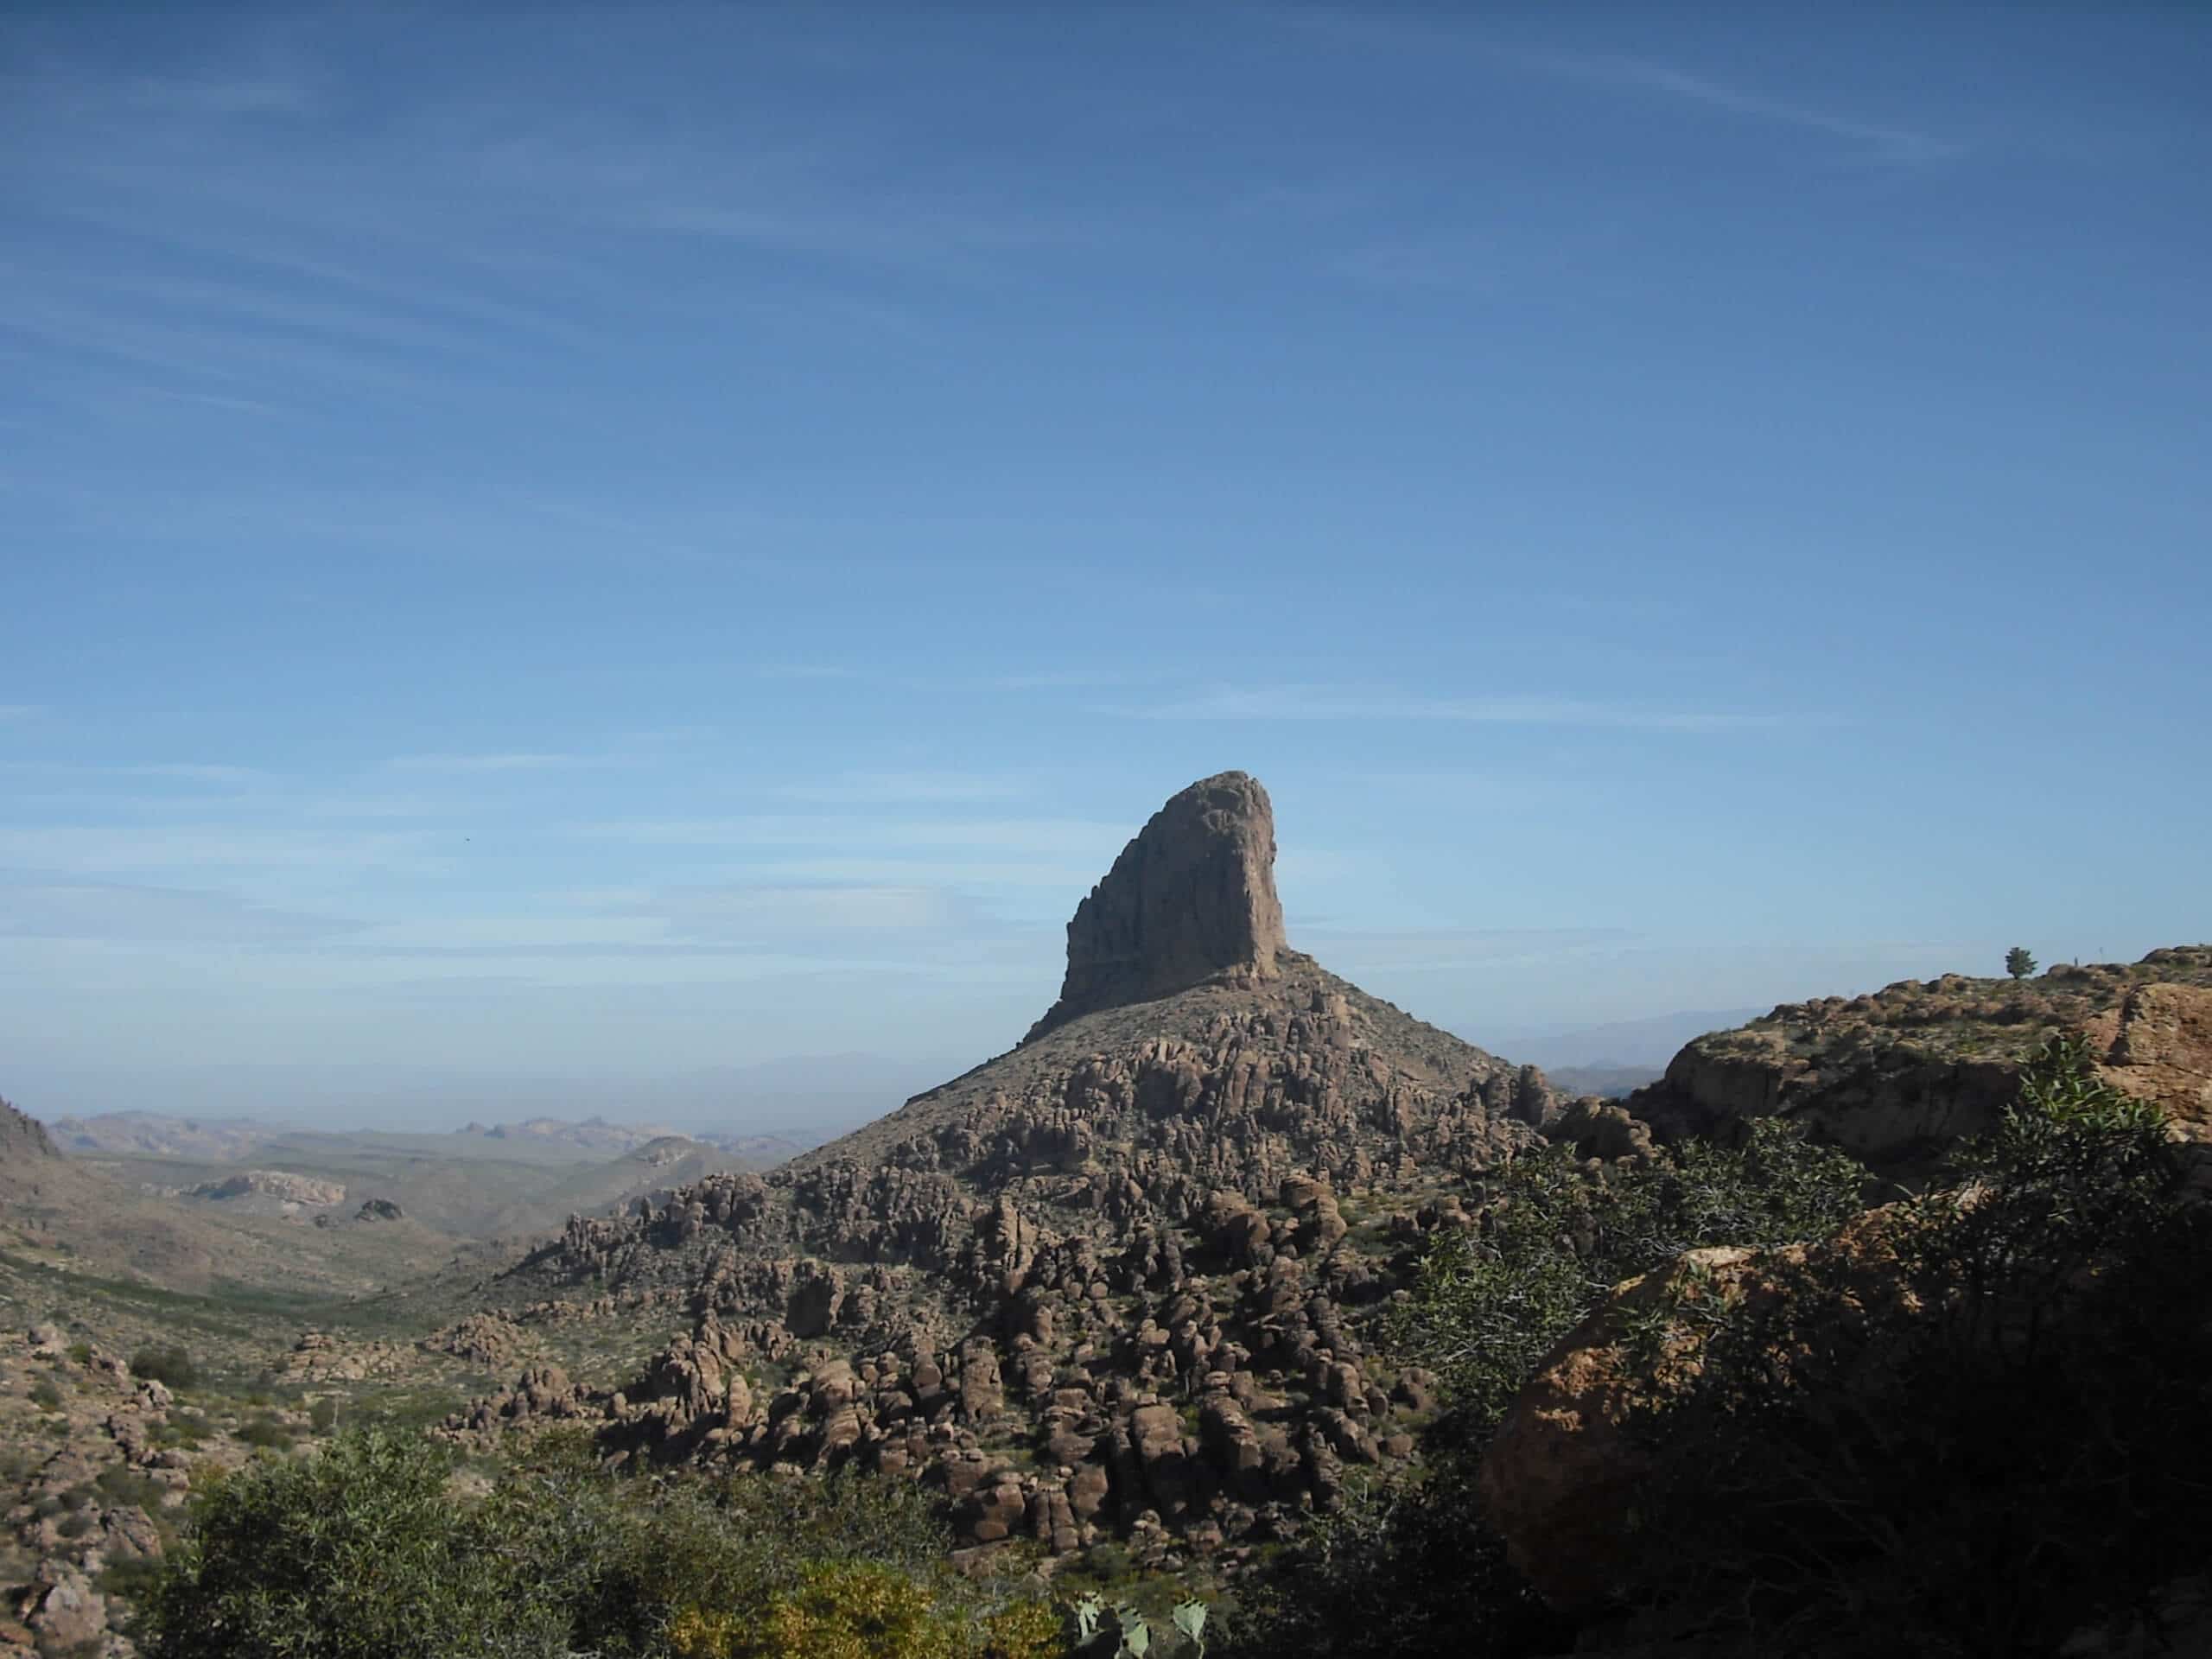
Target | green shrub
(119,1483)
(638,1553)
(172,1366)
(131,1577)
(360,1553)
(1553,1240)
(45,1396)
(263,1430)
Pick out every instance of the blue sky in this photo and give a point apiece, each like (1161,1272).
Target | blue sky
(601,543)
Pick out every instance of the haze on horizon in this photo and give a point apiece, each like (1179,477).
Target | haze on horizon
(597,546)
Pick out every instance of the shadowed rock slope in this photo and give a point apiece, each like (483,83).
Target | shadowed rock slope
(1118,1280)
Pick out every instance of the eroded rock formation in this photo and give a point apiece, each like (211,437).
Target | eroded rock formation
(1192,897)
(1119,1279)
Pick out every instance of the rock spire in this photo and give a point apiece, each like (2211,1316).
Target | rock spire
(1191,900)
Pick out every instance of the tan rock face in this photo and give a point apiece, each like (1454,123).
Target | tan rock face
(2161,1051)
(1192,897)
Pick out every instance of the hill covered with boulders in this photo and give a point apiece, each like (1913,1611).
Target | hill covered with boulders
(1119,1280)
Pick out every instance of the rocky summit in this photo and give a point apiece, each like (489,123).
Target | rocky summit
(1120,1280)
(1191,898)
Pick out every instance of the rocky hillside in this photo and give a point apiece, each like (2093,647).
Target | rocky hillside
(1117,1280)
(53,1210)
(24,1143)
(160,1135)
(1896,1077)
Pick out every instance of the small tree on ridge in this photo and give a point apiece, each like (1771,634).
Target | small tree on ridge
(2019,962)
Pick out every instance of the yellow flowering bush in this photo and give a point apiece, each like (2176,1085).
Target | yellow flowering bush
(857,1610)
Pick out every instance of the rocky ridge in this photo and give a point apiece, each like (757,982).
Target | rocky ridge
(1896,1077)
(1115,1281)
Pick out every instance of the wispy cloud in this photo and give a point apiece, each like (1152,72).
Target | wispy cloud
(509,761)
(1078,678)
(1877,141)
(805,671)
(1045,837)
(246,95)
(1322,702)
(1356,951)
(1063,876)
(1894,144)
(118,913)
(890,788)
(1428,262)
(15,711)
(777,912)
(186,771)
(103,850)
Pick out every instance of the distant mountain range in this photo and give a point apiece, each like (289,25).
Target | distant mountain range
(835,1091)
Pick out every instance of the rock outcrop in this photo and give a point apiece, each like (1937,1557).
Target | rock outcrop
(1899,1077)
(1191,898)
(1120,1279)
(280,1186)
(2158,1047)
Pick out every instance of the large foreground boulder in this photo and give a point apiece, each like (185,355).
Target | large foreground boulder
(1568,1480)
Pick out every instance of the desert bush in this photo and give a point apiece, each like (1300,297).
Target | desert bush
(266,1432)
(860,1610)
(120,1484)
(358,1553)
(131,1577)
(638,1553)
(1553,1240)
(45,1396)
(172,1366)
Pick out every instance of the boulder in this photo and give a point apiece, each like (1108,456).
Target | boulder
(1561,1480)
